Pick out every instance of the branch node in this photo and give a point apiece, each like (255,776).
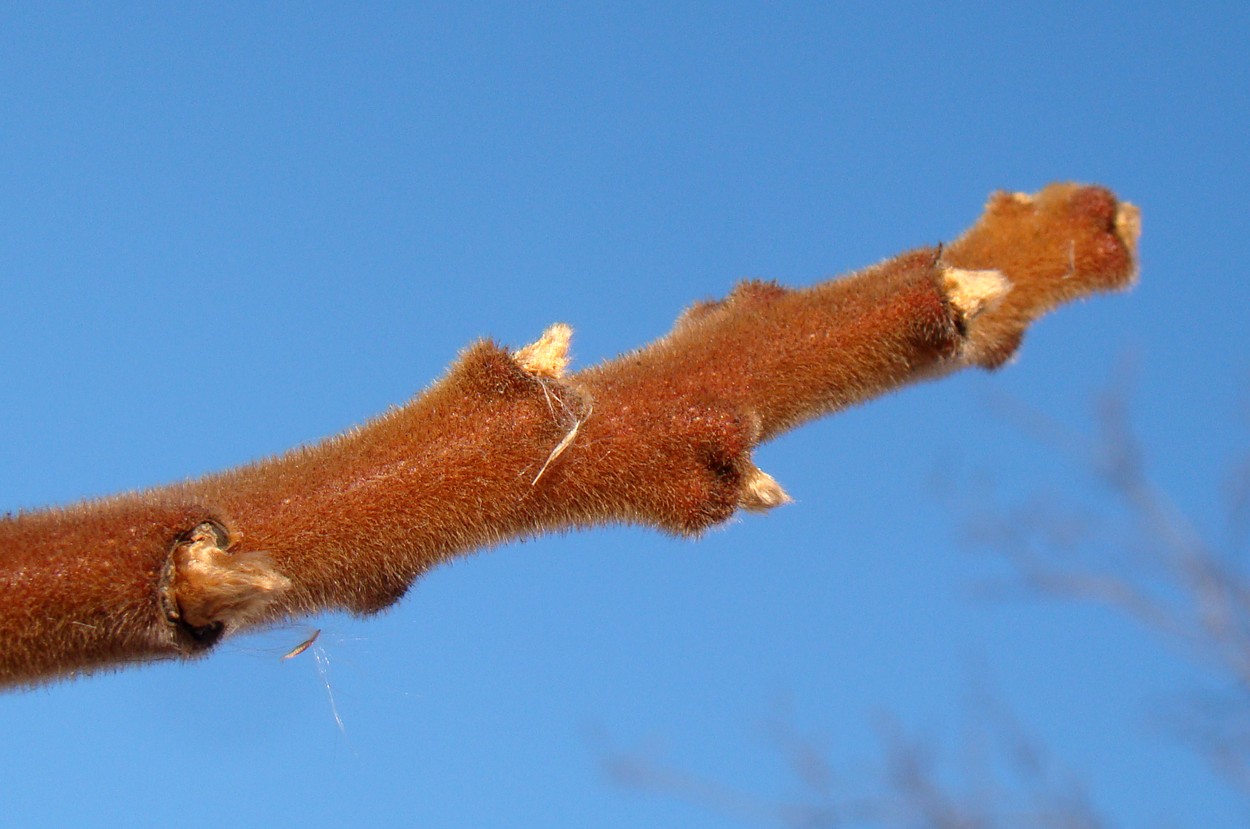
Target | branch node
(210,590)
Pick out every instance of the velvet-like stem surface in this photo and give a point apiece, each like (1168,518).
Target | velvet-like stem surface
(509,444)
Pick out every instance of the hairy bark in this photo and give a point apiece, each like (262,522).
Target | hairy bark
(508,444)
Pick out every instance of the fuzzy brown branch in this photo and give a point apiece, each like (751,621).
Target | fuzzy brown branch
(508,444)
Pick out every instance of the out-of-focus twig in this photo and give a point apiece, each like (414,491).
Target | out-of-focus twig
(1153,565)
(1012,785)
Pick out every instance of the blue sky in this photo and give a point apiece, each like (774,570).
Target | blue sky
(228,230)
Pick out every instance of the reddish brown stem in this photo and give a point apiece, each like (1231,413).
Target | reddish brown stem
(508,445)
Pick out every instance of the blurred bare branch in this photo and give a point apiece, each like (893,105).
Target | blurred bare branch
(1154,566)
(1143,558)
(1012,784)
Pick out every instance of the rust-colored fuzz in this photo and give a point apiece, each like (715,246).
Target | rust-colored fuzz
(509,444)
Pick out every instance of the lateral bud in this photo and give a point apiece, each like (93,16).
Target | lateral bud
(210,590)
(761,492)
(548,356)
(973,291)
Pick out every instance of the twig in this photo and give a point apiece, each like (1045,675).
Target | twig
(351,522)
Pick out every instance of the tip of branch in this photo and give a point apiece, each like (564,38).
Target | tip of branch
(974,291)
(761,492)
(1128,226)
(1062,243)
(548,356)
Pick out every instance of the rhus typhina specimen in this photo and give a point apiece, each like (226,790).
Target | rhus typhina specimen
(509,444)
